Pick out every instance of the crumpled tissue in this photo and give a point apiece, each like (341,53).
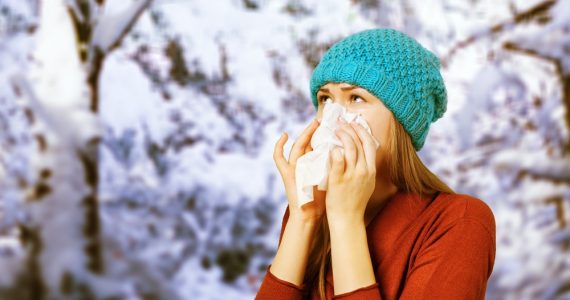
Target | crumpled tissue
(313,167)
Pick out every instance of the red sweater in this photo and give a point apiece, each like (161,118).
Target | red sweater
(420,249)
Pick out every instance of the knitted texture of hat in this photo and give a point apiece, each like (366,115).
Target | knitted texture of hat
(393,67)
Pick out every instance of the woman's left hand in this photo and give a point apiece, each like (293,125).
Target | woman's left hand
(352,177)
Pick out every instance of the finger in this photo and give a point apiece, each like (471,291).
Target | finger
(302,141)
(278,152)
(337,164)
(360,159)
(309,148)
(369,146)
(349,147)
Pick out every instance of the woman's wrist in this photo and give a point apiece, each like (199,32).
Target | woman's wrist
(341,221)
(292,254)
(298,219)
(301,223)
(350,254)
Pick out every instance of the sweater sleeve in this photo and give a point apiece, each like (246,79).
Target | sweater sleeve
(275,288)
(454,263)
(370,292)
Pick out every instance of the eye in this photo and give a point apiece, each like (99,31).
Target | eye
(322,98)
(354,97)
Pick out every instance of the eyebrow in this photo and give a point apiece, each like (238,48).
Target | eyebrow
(346,88)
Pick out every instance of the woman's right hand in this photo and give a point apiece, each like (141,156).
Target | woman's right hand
(312,211)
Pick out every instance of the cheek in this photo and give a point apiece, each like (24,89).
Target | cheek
(378,131)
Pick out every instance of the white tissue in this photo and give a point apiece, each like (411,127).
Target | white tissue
(313,167)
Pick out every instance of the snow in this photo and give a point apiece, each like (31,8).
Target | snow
(186,168)
(115,17)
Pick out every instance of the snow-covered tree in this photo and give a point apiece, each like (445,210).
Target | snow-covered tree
(137,137)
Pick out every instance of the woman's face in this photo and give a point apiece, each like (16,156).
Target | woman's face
(358,100)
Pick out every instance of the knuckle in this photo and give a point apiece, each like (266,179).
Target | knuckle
(359,172)
(276,154)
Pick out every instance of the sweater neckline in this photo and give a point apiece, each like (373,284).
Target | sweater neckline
(394,196)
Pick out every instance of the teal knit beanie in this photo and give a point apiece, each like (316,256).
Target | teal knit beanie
(393,67)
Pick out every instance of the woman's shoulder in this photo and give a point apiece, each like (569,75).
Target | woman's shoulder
(464,205)
(460,208)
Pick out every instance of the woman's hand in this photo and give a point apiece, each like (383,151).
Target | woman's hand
(352,177)
(310,212)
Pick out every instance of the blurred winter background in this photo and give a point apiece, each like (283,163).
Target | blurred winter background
(136,137)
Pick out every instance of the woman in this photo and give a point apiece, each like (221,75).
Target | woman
(387,227)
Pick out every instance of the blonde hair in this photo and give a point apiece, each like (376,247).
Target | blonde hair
(405,170)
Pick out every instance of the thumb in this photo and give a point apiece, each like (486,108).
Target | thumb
(337,164)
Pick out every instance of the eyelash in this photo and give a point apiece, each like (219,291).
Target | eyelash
(321,98)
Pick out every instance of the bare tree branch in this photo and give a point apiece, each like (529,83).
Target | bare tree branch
(563,76)
(536,12)
(125,23)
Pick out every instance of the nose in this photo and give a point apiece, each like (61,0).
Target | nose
(339,102)
(344,104)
